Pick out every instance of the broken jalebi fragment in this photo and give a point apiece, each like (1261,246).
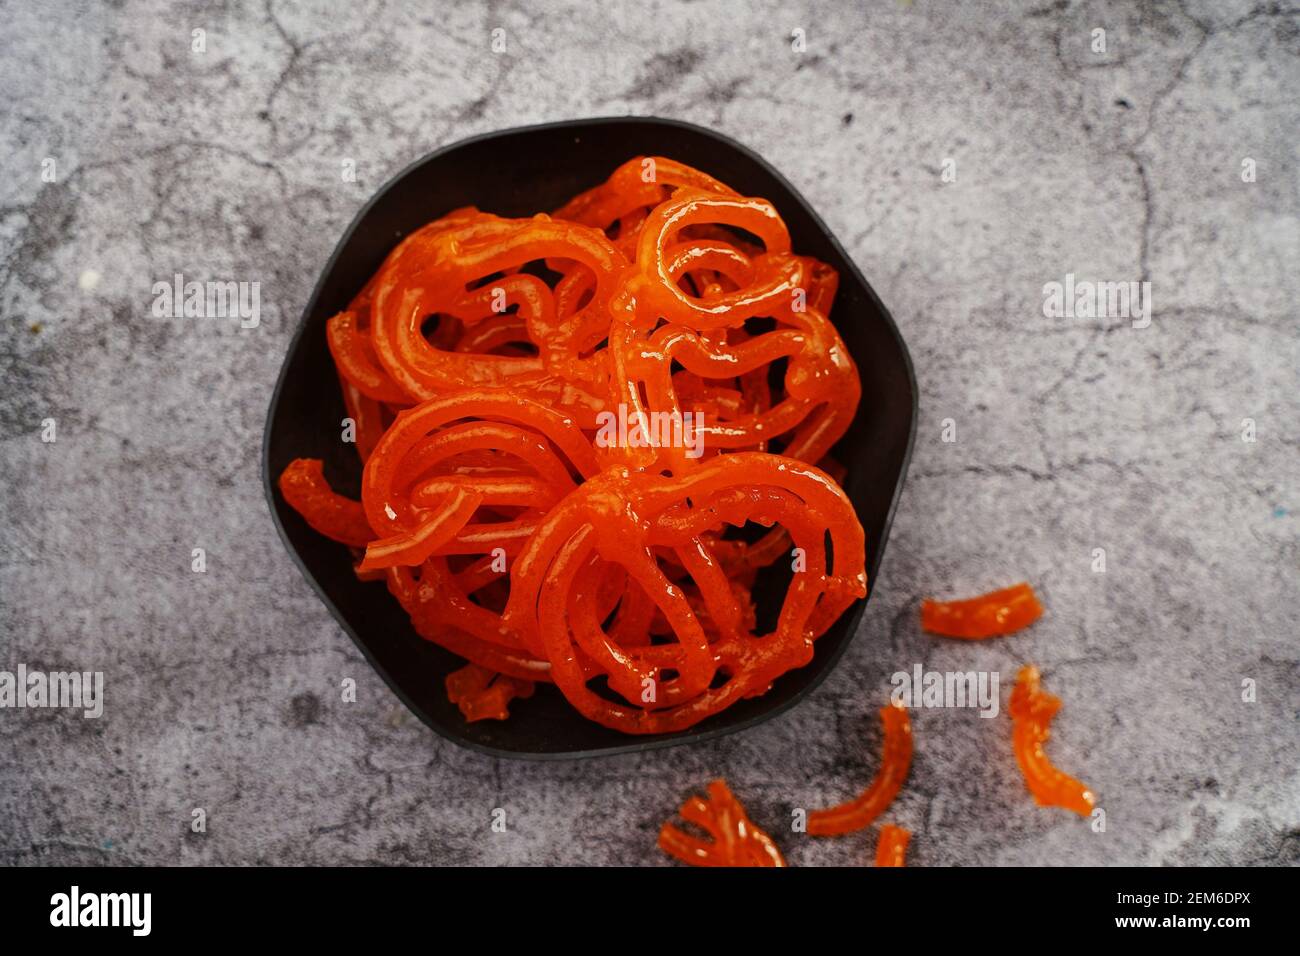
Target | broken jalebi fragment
(304,486)
(735,839)
(1032,710)
(989,615)
(895,761)
(481,693)
(891,848)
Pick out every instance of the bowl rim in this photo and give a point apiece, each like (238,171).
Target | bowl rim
(634,744)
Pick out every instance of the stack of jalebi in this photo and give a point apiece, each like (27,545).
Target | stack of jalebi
(484,368)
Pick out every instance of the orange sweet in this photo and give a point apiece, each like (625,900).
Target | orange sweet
(481,365)
(1032,710)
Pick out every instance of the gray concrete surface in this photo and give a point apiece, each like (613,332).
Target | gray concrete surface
(222,688)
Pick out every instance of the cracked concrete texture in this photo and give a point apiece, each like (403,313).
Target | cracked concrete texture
(1072,434)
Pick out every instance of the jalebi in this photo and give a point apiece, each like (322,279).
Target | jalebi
(571,427)
(736,841)
(989,615)
(891,848)
(1032,710)
(895,762)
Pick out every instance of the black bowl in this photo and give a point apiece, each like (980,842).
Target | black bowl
(519,172)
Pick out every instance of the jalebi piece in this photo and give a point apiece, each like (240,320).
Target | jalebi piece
(304,486)
(891,847)
(589,437)
(462,269)
(735,840)
(712,336)
(895,762)
(482,694)
(989,615)
(1032,710)
(622,517)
